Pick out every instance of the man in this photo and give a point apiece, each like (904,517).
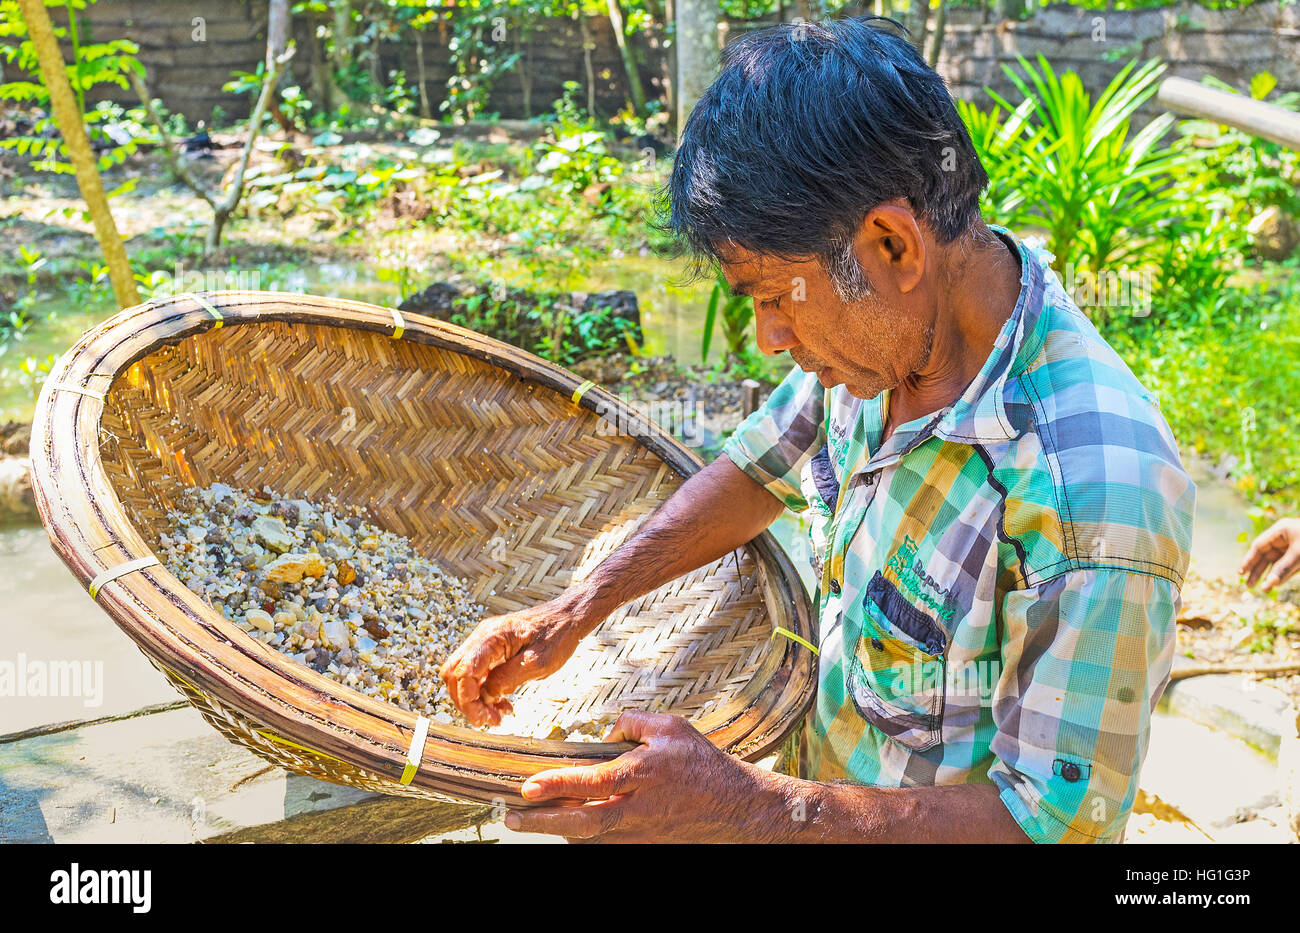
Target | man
(1000,518)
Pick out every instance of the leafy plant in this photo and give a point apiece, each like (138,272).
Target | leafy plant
(92,65)
(1095,189)
(1253,172)
(736,312)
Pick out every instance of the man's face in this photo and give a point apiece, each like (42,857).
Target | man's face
(869,345)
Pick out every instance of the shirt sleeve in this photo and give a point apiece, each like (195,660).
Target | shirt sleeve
(1085,658)
(772,445)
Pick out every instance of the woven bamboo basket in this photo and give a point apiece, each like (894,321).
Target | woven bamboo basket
(459,442)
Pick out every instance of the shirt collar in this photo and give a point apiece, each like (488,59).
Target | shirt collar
(980,414)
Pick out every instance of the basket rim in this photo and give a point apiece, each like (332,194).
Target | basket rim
(90,530)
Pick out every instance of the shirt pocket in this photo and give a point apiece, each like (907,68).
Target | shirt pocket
(896,684)
(820,489)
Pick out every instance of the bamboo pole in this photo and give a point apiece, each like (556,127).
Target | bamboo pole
(68,117)
(1267,121)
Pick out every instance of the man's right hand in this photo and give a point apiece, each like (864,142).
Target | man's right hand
(504,652)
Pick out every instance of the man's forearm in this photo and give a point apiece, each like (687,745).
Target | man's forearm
(715,511)
(779,808)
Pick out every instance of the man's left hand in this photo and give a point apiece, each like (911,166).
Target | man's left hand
(676,787)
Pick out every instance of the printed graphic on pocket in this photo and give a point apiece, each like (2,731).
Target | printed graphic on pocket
(895,685)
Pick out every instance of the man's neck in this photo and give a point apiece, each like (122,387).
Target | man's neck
(979,283)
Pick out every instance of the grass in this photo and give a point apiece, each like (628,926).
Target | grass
(1228,388)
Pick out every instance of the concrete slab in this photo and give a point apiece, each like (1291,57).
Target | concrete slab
(170,777)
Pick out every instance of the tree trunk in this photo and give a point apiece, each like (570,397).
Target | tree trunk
(697,53)
(425,110)
(919,16)
(524,50)
(587,46)
(376,69)
(628,54)
(940,22)
(342,53)
(276,29)
(324,92)
(64,105)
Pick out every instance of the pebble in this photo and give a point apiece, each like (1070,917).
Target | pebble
(260,619)
(398,618)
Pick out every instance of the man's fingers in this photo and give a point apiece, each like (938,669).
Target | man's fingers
(590,781)
(465,677)
(585,821)
(638,726)
(1284,567)
(512,673)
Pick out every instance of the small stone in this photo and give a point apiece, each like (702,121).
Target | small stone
(346,573)
(271,532)
(289,511)
(291,568)
(260,619)
(335,632)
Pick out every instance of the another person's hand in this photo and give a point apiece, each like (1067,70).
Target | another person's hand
(504,652)
(1280,547)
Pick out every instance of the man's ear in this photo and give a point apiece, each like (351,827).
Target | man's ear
(890,245)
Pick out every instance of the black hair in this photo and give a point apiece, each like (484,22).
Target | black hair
(807,127)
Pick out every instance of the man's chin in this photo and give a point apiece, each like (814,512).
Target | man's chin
(830,379)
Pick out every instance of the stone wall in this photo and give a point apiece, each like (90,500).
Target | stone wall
(1233,45)
(188,74)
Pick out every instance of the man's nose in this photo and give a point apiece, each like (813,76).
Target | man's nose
(773,333)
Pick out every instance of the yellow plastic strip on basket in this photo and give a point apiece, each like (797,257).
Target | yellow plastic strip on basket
(172,673)
(207,306)
(581,390)
(416,751)
(793,637)
(399,325)
(112,573)
(65,387)
(275,738)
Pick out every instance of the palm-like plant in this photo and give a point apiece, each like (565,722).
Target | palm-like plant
(1099,192)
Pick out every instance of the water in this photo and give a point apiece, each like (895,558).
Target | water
(672,314)
(49,619)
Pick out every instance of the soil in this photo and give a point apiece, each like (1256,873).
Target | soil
(1228,625)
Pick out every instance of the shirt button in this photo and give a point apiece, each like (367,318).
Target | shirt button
(877,644)
(835,587)
(1070,771)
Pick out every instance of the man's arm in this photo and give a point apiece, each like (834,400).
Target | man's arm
(678,787)
(715,511)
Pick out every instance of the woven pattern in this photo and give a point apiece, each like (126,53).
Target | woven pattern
(474,452)
(513,489)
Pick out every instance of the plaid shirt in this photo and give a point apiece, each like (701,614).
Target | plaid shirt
(999,580)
